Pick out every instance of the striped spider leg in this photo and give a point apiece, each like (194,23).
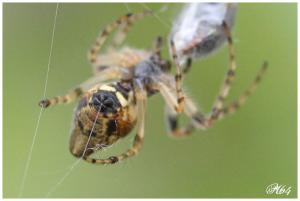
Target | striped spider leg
(80,90)
(202,121)
(125,57)
(218,110)
(178,78)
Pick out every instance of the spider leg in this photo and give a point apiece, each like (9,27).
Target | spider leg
(187,66)
(227,83)
(126,58)
(201,121)
(191,111)
(92,54)
(168,96)
(198,119)
(108,74)
(158,44)
(141,97)
(173,127)
(233,106)
(178,79)
(165,65)
(218,105)
(120,35)
(223,93)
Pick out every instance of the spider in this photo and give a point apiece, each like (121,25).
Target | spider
(114,100)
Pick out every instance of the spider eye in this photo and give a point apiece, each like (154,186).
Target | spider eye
(105,102)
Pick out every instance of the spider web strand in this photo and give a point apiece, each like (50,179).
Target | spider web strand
(167,25)
(25,174)
(75,163)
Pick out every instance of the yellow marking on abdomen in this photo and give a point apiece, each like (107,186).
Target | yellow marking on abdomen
(107,88)
(121,99)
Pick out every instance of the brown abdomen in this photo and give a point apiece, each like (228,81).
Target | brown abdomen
(105,132)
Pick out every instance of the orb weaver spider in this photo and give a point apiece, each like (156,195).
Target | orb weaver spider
(114,100)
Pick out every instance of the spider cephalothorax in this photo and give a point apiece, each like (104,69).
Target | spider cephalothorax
(113,101)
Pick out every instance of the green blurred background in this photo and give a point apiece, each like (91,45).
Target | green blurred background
(239,157)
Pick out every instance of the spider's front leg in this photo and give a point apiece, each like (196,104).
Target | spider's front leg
(178,78)
(108,74)
(218,109)
(120,36)
(204,120)
(67,98)
(124,22)
(230,75)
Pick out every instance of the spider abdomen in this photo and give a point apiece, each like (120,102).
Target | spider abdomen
(95,128)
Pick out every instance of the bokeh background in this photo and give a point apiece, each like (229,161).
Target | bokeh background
(239,157)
